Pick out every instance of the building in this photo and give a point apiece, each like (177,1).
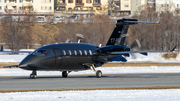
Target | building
(137,6)
(125,7)
(43,6)
(82,6)
(160,4)
(2,6)
(22,6)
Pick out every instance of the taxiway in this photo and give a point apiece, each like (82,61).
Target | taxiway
(86,81)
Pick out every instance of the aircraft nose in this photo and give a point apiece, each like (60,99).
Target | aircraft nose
(24,63)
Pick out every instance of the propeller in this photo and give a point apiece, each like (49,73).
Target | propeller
(135,46)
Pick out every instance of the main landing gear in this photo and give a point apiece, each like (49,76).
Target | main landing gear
(98,73)
(33,75)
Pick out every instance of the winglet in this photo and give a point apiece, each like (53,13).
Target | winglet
(2,48)
(173,49)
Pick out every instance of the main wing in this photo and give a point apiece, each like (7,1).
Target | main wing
(2,51)
(142,52)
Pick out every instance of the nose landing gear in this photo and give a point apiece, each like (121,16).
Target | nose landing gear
(33,75)
(65,74)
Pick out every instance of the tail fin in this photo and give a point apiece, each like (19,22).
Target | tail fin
(2,48)
(119,34)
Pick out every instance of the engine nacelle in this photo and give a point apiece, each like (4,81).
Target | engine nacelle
(113,48)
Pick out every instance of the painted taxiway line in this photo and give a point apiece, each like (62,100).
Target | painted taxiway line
(88,89)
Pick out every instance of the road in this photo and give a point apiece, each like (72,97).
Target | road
(85,81)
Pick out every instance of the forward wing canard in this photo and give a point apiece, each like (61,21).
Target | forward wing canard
(10,66)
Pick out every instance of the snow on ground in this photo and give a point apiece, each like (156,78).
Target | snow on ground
(152,57)
(96,95)
(105,70)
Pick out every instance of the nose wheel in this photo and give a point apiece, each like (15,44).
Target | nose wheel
(33,75)
(64,74)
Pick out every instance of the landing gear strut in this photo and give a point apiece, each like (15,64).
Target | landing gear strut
(33,75)
(98,73)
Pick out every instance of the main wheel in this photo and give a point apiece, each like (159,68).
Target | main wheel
(33,76)
(64,74)
(98,74)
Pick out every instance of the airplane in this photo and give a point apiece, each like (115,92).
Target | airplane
(68,57)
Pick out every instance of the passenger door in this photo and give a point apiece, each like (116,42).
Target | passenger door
(58,58)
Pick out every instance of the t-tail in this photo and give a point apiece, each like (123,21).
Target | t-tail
(119,34)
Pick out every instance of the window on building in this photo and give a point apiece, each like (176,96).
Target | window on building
(50,1)
(97,1)
(4,1)
(126,6)
(61,8)
(41,7)
(177,5)
(70,1)
(20,8)
(69,8)
(14,1)
(0,7)
(98,8)
(88,1)
(0,0)
(61,1)
(50,8)
(89,8)
(78,1)
(41,1)
(20,1)
(45,8)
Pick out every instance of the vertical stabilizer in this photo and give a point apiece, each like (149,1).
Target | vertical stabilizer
(119,34)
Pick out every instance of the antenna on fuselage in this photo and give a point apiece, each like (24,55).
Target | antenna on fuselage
(68,40)
(79,41)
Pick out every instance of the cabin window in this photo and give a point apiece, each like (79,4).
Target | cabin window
(85,52)
(75,53)
(64,52)
(80,52)
(42,53)
(69,52)
(90,52)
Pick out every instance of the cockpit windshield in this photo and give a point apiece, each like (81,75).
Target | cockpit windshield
(42,53)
